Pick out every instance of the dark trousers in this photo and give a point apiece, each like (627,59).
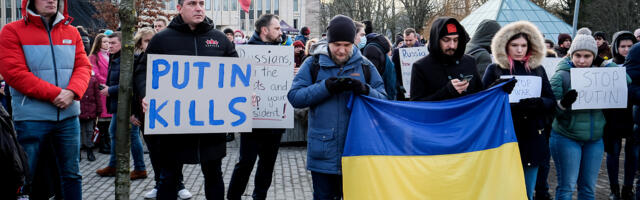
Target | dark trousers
(326,186)
(170,178)
(156,162)
(263,143)
(542,186)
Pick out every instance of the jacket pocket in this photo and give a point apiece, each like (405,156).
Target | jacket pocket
(322,144)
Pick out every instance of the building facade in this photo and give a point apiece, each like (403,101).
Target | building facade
(11,11)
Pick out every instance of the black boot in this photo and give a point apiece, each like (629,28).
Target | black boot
(90,155)
(627,192)
(615,192)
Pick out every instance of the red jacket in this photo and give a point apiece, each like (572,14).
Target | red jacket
(38,63)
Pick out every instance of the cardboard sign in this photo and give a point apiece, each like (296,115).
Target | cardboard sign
(196,94)
(599,88)
(407,57)
(526,87)
(550,65)
(271,81)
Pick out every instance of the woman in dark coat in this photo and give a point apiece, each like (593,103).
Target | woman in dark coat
(518,49)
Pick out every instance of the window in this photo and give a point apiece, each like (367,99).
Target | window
(207,4)
(243,24)
(251,10)
(243,15)
(276,7)
(8,9)
(172,4)
(225,5)
(18,9)
(295,5)
(216,5)
(268,7)
(234,5)
(295,23)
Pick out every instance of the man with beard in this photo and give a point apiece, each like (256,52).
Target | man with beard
(445,73)
(325,83)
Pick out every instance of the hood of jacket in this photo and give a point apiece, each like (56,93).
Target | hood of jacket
(632,63)
(484,34)
(30,16)
(616,43)
(537,48)
(320,48)
(380,40)
(179,25)
(434,40)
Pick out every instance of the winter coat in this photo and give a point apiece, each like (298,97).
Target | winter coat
(328,115)
(38,61)
(179,39)
(113,81)
(480,45)
(376,55)
(580,125)
(562,52)
(90,104)
(395,57)
(430,76)
(617,58)
(529,123)
(632,64)
(101,68)
(302,38)
(604,51)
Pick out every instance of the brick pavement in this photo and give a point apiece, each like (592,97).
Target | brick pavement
(290,181)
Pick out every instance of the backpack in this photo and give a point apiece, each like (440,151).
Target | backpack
(315,68)
(389,75)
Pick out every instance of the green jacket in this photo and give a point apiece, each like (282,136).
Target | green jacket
(581,125)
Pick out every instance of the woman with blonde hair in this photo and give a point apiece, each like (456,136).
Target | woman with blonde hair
(142,39)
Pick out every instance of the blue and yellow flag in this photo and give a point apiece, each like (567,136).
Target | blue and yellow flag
(463,148)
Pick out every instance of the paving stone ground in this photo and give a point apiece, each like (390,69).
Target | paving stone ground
(291,180)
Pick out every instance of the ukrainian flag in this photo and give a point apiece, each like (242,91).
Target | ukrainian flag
(463,148)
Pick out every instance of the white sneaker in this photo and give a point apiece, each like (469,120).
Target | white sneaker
(151,194)
(184,194)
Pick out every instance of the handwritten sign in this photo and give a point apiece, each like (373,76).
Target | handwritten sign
(407,57)
(550,66)
(526,87)
(195,94)
(599,88)
(273,76)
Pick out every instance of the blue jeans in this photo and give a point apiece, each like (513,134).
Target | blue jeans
(576,161)
(136,145)
(326,186)
(65,136)
(530,176)
(630,158)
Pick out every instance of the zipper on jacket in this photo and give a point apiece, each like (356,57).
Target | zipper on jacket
(53,56)
(195,43)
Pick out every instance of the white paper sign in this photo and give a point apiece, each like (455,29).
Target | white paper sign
(526,87)
(599,88)
(407,57)
(272,79)
(550,65)
(197,94)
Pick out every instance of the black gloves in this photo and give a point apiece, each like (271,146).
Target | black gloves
(569,98)
(338,85)
(532,104)
(508,88)
(333,85)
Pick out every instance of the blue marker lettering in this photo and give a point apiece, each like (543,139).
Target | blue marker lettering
(233,110)
(156,73)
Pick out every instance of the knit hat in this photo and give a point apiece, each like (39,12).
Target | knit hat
(239,31)
(305,31)
(298,43)
(341,28)
(228,31)
(584,31)
(562,37)
(583,42)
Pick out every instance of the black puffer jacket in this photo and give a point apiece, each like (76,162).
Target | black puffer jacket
(430,75)
(179,39)
(374,53)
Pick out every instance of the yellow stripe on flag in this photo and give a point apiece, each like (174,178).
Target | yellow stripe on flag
(492,174)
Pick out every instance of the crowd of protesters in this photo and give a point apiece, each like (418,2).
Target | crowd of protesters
(57,108)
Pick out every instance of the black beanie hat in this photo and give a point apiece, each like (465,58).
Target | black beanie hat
(227,31)
(341,28)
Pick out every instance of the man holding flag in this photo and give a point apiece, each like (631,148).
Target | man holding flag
(325,83)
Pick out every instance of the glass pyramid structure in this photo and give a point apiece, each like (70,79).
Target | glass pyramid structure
(507,11)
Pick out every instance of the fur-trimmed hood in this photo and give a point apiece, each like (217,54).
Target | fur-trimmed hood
(536,43)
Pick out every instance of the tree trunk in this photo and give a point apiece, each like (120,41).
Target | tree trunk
(123,139)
